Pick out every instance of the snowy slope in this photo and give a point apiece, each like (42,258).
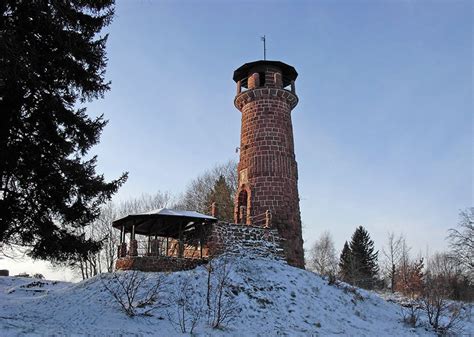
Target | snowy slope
(273,299)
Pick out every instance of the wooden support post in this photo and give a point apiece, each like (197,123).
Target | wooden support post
(268,218)
(200,248)
(200,241)
(180,241)
(133,243)
(214,209)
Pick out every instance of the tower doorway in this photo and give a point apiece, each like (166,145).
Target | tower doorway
(242,204)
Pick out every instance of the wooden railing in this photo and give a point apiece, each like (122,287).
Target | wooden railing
(263,219)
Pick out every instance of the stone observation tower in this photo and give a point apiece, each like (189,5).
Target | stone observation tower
(267,169)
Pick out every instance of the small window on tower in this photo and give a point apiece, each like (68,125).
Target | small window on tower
(262,79)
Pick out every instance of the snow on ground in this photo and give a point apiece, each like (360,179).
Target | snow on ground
(272,299)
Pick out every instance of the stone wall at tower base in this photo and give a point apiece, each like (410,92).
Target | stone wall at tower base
(157,264)
(246,239)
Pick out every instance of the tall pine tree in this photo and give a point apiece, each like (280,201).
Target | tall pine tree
(358,263)
(221,194)
(52,61)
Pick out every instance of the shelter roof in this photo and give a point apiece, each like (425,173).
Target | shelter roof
(163,221)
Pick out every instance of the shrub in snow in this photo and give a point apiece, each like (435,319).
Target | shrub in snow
(444,316)
(185,309)
(410,313)
(132,292)
(221,308)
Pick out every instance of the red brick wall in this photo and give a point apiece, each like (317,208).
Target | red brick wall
(267,167)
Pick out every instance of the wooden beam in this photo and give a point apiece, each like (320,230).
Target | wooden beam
(180,240)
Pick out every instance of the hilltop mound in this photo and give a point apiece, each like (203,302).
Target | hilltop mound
(270,298)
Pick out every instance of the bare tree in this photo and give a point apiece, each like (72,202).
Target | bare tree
(448,273)
(196,195)
(323,259)
(109,237)
(145,202)
(403,272)
(392,254)
(443,265)
(101,230)
(461,241)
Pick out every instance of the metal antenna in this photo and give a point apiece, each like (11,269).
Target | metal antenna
(264,47)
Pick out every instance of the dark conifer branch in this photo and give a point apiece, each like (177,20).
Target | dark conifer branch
(53,58)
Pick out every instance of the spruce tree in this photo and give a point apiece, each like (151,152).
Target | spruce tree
(221,194)
(345,264)
(364,259)
(52,62)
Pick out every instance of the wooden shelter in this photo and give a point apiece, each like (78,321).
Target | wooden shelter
(159,237)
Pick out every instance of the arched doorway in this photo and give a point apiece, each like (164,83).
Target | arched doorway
(242,205)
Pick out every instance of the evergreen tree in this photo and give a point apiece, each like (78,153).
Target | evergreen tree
(345,264)
(364,259)
(358,261)
(221,194)
(52,61)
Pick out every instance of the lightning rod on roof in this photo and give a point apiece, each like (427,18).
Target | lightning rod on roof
(264,47)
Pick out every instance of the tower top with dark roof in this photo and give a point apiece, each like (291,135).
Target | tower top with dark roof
(242,73)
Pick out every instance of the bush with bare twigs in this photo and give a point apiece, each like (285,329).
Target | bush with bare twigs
(221,308)
(131,291)
(184,309)
(443,315)
(410,313)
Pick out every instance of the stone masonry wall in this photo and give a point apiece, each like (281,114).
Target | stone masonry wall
(156,264)
(245,239)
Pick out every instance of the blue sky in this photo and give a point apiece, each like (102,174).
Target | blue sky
(383,131)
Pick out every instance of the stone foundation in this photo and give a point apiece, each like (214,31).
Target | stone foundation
(243,239)
(157,263)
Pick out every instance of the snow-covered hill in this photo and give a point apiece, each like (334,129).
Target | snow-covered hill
(270,297)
